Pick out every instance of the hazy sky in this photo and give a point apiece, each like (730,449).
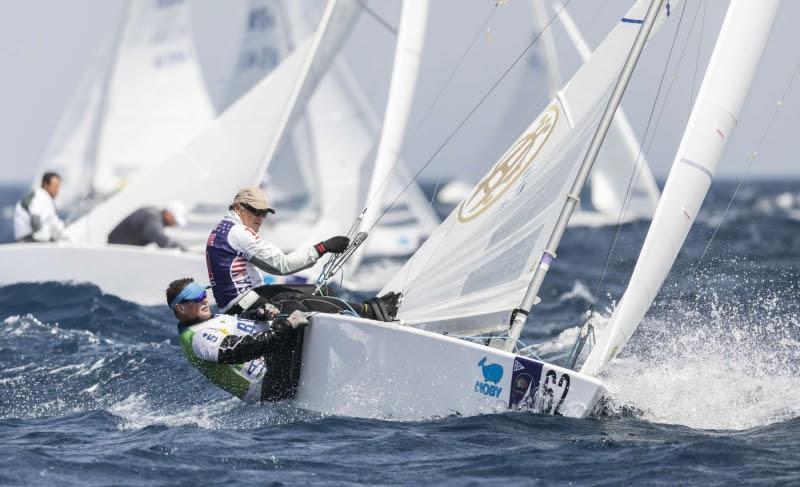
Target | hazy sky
(46,46)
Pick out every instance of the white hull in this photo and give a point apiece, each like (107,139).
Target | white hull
(138,274)
(362,368)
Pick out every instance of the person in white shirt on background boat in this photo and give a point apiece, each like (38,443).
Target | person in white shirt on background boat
(35,217)
(145,226)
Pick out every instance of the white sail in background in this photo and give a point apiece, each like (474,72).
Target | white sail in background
(70,152)
(236,147)
(157,96)
(405,71)
(617,163)
(730,72)
(474,270)
(262,47)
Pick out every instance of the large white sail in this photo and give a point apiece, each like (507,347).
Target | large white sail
(157,96)
(237,147)
(611,190)
(731,70)
(475,268)
(71,149)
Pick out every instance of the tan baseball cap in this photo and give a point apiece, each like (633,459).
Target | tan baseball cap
(253,197)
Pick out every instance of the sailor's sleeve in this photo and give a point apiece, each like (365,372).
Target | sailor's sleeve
(237,349)
(154,232)
(267,256)
(206,342)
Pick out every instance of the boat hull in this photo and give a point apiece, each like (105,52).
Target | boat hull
(138,274)
(363,368)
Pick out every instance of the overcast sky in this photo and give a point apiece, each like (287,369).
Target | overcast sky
(46,45)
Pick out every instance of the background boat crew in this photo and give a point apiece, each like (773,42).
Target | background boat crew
(236,255)
(146,225)
(253,360)
(35,217)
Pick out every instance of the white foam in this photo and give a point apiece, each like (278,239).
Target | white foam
(137,413)
(717,370)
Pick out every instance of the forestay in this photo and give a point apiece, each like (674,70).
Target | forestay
(730,72)
(236,147)
(157,96)
(475,268)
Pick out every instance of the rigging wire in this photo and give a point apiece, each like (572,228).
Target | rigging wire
(639,162)
(376,17)
(469,114)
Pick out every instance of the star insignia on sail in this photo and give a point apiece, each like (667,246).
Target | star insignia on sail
(515,162)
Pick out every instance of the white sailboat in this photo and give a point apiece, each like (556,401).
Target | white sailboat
(198,172)
(478,275)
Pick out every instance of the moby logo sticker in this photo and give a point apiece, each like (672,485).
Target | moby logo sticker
(492,373)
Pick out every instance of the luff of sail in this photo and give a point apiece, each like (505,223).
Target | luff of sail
(730,72)
(475,268)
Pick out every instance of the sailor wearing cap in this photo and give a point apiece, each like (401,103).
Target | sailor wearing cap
(146,225)
(236,255)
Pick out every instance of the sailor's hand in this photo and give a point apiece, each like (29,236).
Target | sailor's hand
(335,245)
(294,321)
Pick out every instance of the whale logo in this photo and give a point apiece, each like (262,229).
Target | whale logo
(491,372)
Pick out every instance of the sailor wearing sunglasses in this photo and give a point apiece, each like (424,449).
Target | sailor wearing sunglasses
(236,255)
(236,354)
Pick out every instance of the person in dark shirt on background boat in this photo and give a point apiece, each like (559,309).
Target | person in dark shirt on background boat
(146,225)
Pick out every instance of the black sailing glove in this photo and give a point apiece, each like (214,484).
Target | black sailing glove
(335,245)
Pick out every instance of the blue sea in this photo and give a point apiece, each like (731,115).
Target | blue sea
(95,391)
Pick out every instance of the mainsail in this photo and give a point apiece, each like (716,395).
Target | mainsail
(730,72)
(475,268)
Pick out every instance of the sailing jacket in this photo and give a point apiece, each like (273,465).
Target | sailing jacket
(235,255)
(35,218)
(229,352)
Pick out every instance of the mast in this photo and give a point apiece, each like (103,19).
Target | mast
(621,126)
(730,72)
(520,314)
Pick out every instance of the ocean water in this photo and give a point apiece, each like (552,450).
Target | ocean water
(94,389)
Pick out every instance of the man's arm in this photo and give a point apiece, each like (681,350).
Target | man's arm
(154,232)
(213,345)
(268,257)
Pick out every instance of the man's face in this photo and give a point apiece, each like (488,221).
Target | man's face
(52,187)
(189,310)
(250,220)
